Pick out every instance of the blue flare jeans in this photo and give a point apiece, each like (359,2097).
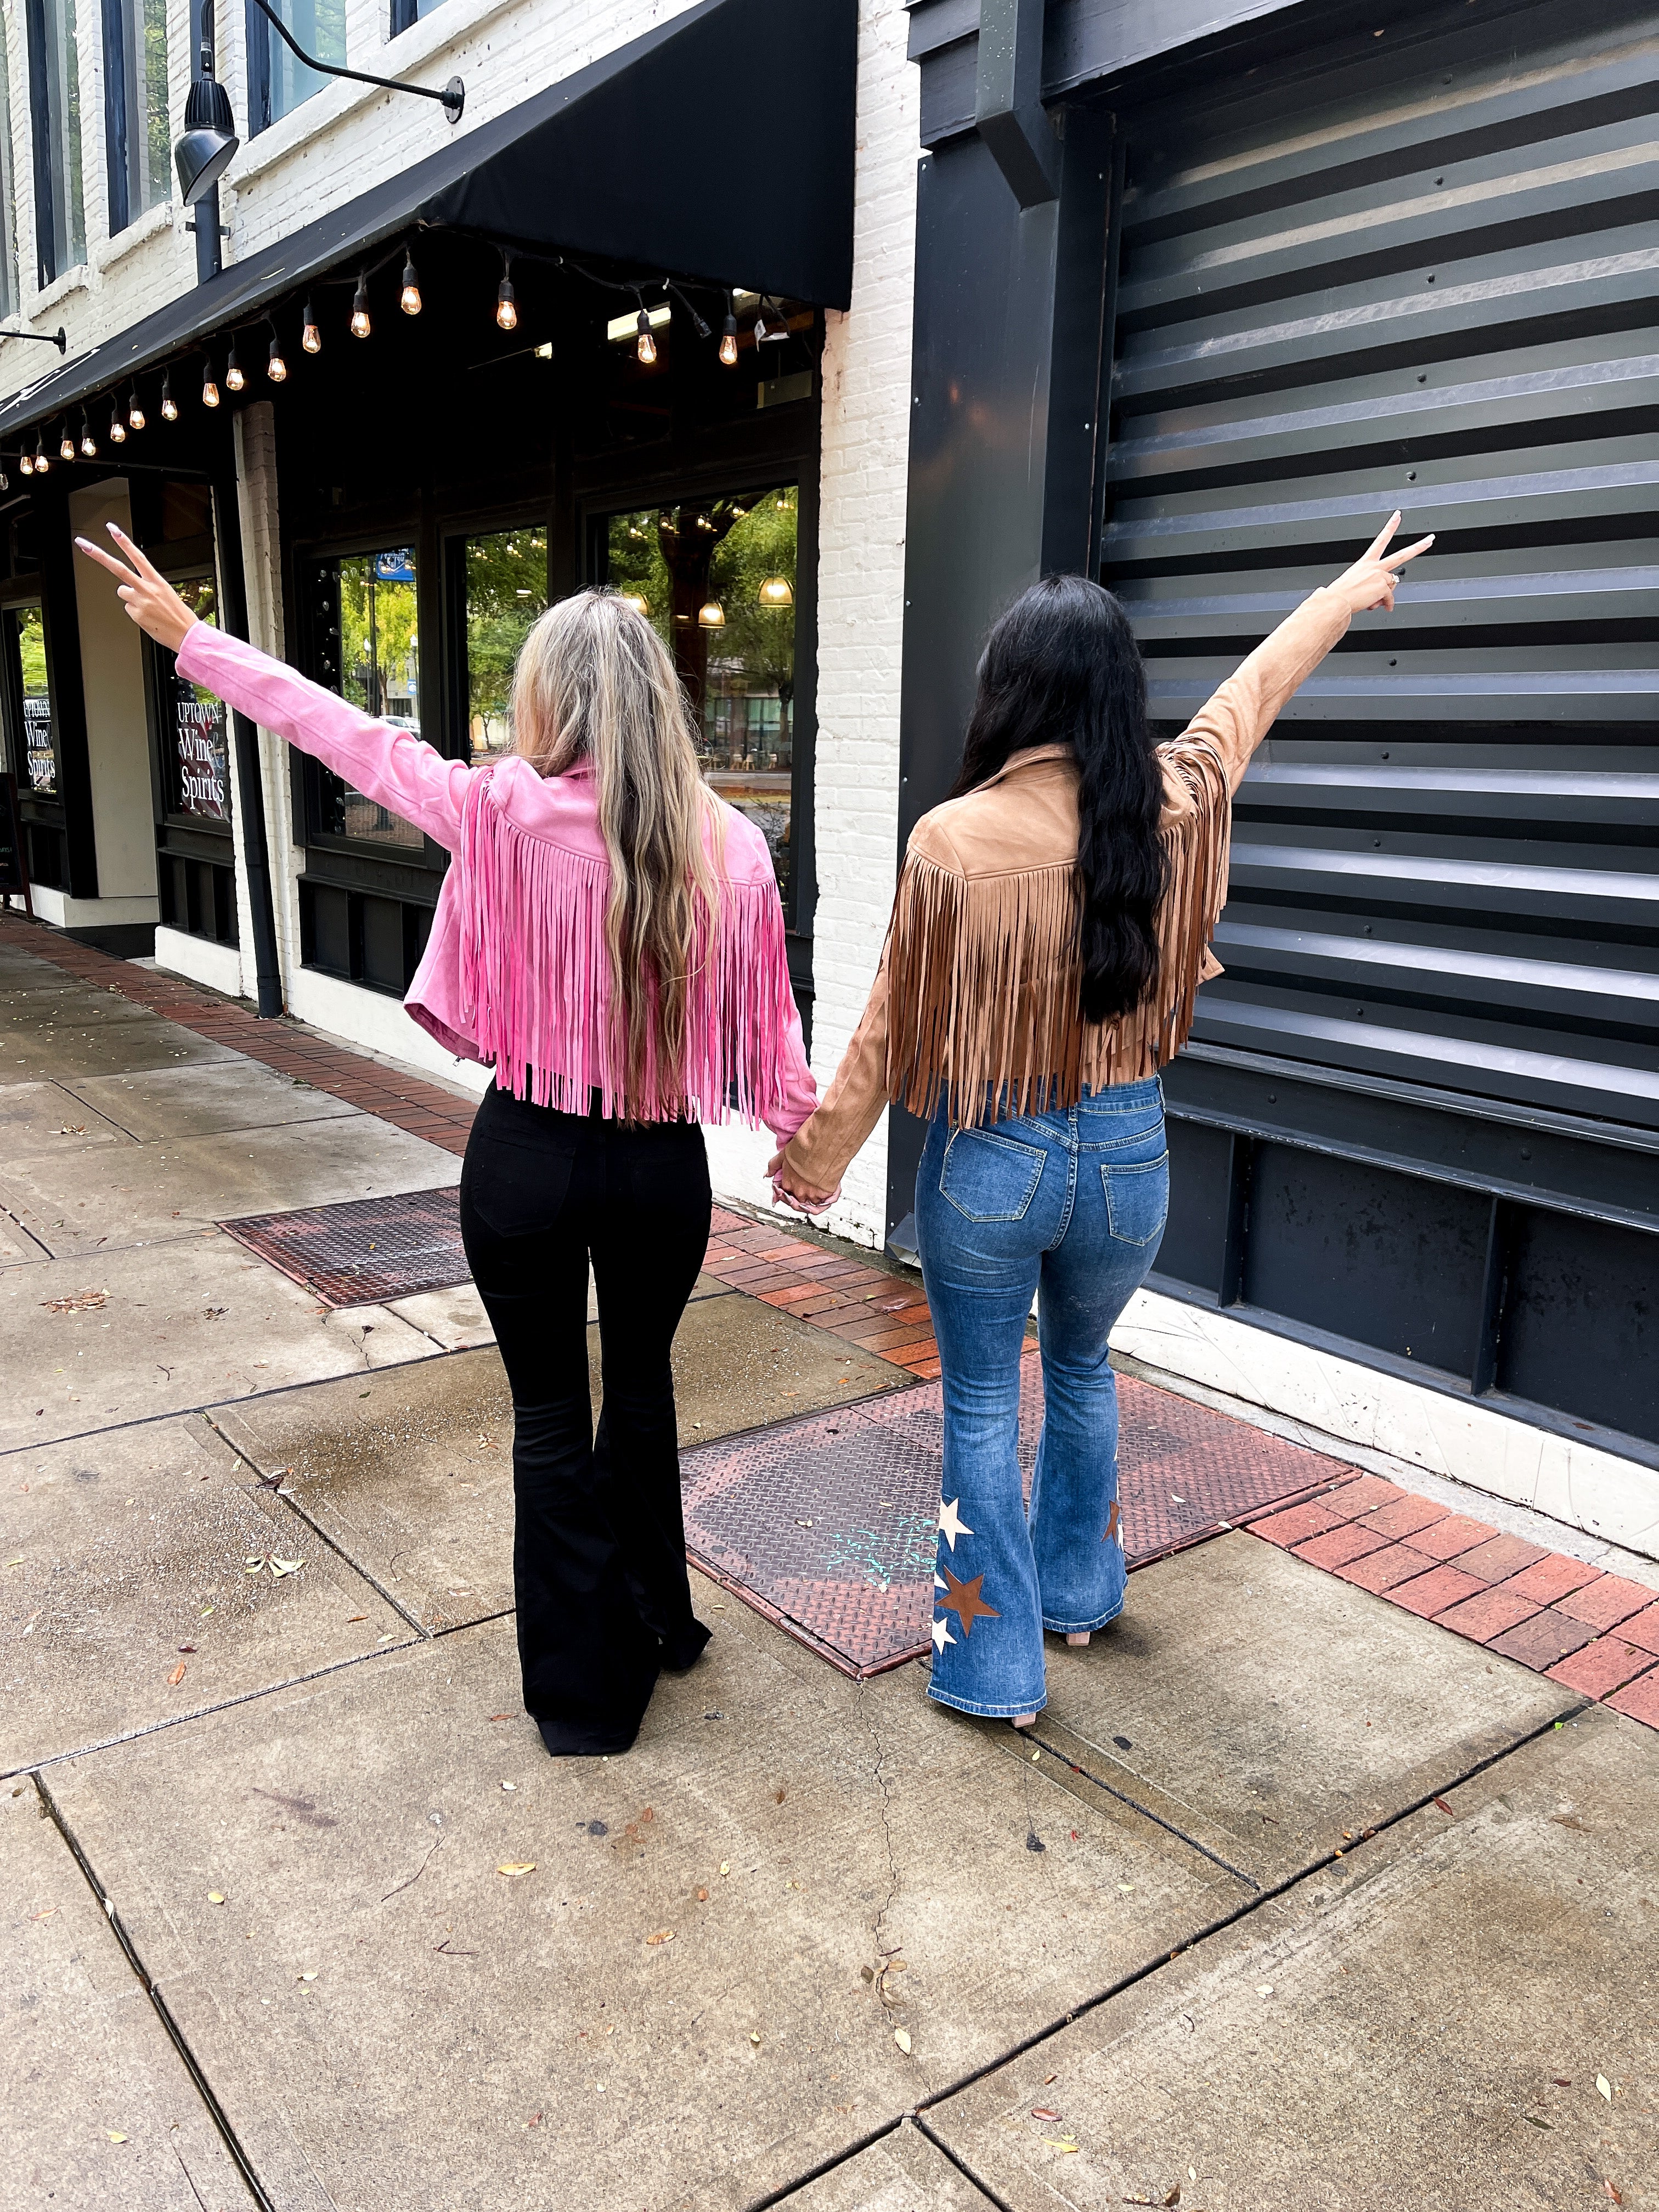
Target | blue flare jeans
(1067,1206)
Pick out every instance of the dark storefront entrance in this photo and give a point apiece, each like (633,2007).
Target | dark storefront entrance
(1356,262)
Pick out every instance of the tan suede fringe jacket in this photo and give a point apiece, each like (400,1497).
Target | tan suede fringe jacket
(977,993)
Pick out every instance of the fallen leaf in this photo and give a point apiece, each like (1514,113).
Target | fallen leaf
(1562,2080)
(493,1716)
(1058,2143)
(868,1973)
(534,2121)
(114,2135)
(662,1935)
(187,1647)
(1533,2121)
(777,1796)
(309,1975)
(1605,2087)
(725,1867)
(17,1562)
(1046,2113)
(1445,1809)
(177,1675)
(352,1617)
(215,1897)
(281,1567)
(45,1913)
(516,1866)
(754,2037)
(1265,1989)
(1612,2192)
(901,2036)
(702,1897)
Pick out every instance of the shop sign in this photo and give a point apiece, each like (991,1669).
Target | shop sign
(396,566)
(203,768)
(37,744)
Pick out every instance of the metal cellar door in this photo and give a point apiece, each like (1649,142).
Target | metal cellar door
(1421,269)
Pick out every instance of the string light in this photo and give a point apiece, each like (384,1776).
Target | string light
(117,429)
(310,337)
(169,404)
(276,366)
(210,389)
(235,379)
(410,298)
(134,412)
(360,325)
(644,345)
(41,463)
(729,334)
(89,443)
(507,306)
(26,462)
(66,445)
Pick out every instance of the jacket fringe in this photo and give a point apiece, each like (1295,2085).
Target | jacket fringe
(987,975)
(536,980)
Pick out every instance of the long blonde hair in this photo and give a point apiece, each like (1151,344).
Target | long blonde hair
(594,680)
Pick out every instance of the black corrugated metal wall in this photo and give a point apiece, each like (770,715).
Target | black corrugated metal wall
(1422,1112)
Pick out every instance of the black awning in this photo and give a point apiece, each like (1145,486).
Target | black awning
(718,148)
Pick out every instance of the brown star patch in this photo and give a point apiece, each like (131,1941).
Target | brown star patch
(1111,1524)
(964,1601)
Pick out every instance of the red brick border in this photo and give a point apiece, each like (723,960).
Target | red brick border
(1592,1633)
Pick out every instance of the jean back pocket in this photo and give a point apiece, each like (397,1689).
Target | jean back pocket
(1137,1199)
(990,1178)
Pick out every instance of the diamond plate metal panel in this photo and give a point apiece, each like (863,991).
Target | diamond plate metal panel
(364,1250)
(826,1525)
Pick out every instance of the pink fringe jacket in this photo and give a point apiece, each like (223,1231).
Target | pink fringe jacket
(516,974)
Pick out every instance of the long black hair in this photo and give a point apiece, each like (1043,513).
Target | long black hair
(1061,666)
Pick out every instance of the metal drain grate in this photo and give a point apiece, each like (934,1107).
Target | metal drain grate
(826,1525)
(366,1250)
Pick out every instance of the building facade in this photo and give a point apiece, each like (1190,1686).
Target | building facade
(1181,294)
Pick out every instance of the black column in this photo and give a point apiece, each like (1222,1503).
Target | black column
(1006,444)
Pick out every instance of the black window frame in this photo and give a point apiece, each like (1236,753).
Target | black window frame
(49,248)
(122,72)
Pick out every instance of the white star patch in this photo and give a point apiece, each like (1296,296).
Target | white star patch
(942,1635)
(940,1583)
(951,1522)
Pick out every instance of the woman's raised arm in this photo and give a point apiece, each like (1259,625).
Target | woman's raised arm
(406,775)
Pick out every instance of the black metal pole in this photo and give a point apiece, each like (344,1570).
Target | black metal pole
(209,258)
(251,785)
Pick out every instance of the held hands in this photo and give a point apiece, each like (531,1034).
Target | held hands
(799,1199)
(149,597)
(1369,584)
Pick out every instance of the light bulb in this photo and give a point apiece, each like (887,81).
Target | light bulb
(169,404)
(360,322)
(711,614)
(134,412)
(277,368)
(66,447)
(41,463)
(647,347)
(118,430)
(310,337)
(774,591)
(729,335)
(506,307)
(26,462)
(88,445)
(209,390)
(410,298)
(235,379)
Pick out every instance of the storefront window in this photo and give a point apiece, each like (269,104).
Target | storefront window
(371,657)
(506,590)
(717,579)
(40,760)
(197,724)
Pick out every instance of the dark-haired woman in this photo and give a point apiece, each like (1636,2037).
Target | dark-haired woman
(1051,928)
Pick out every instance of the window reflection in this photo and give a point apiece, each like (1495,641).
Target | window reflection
(506,590)
(195,739)
(39,759)
(717,580)
(369,643)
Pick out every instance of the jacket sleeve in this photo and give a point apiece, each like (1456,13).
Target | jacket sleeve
(801,1092)
(818,1156)
(406,775)
(1234,722)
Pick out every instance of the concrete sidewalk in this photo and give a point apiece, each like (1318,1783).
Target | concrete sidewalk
(1297,1899)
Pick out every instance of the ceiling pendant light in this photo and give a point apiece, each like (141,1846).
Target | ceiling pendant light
(360,325)
(117,429)
(134,412)
(729,335)
(410,298)
(210,389)
(711,614)
(276,366)
(169,404)
(235,379)
(310,337)
(774,591)
(644,345)
(638,601)
(507,306)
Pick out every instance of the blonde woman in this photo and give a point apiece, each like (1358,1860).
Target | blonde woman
(609,939)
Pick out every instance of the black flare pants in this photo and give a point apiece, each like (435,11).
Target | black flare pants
(599,1549)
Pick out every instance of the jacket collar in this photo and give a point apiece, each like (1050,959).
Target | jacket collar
(1027,758)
